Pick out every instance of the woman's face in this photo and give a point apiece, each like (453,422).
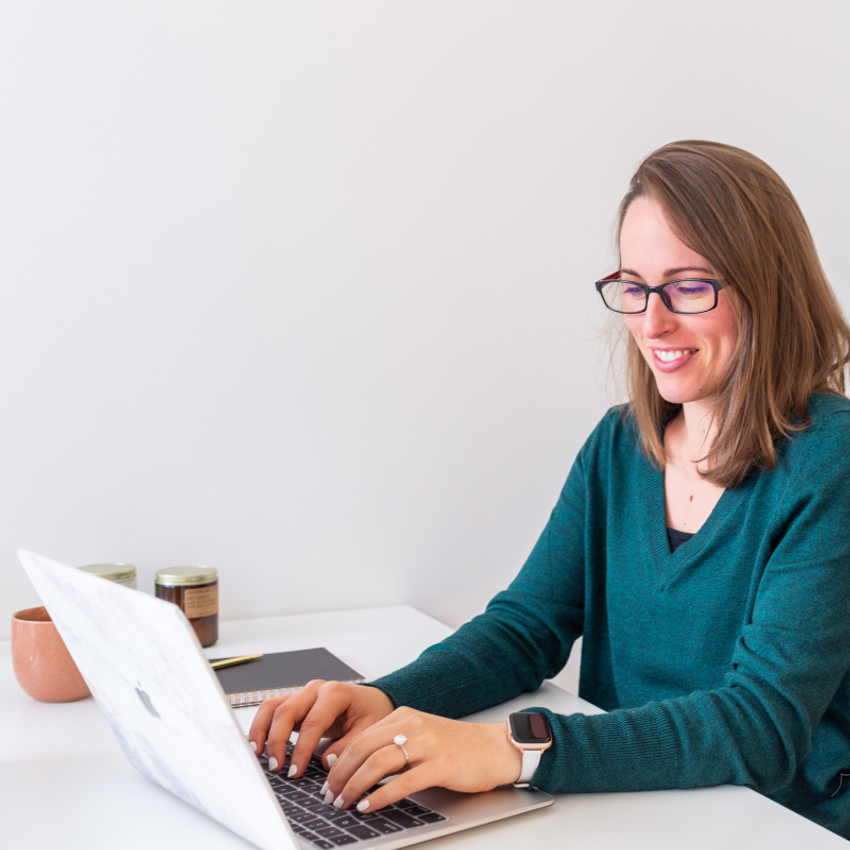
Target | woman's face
(688,355)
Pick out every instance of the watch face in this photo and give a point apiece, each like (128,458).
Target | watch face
(530,728)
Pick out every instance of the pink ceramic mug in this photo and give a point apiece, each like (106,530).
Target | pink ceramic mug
(43,666)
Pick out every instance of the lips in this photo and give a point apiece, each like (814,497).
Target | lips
(672,359)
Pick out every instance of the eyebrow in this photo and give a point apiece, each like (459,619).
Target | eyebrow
(673,272)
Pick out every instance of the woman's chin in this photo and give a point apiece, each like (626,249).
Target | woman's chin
(684,395)
(673,396)
(676,392)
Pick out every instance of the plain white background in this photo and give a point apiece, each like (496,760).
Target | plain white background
(303,290)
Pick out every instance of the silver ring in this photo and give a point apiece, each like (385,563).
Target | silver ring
(401,740)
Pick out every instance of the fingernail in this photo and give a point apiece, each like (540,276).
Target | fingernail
(329,796)
(363,805)
(293,769)
(331,760)
(272,763)
(339,802)
(324,789)
(255,747)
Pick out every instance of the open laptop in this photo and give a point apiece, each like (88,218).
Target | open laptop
(146,670)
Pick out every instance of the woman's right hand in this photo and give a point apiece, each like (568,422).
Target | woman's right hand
(321,710)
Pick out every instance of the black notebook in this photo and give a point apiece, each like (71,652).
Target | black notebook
(278,673)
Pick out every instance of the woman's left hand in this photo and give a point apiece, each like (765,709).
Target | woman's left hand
(446,753)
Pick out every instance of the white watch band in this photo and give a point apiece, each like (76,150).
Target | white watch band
(530,760)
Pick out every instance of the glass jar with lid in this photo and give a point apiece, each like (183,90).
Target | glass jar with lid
(119,573)
(195,590)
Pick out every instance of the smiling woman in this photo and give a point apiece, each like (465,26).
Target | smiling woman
(699,545)
(719,211)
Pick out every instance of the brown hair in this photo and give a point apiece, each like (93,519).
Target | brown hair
(793,340)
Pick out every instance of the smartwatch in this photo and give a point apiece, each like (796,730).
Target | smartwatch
(531,734)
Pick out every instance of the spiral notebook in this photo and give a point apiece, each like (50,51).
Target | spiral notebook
(279,673)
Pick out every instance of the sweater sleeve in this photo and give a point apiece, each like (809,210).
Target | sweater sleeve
(787,666)
(524,636)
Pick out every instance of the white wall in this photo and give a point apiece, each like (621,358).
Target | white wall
(303,290)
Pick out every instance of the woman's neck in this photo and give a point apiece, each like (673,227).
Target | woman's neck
(694,429)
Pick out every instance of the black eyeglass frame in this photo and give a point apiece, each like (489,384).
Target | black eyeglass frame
(716,285)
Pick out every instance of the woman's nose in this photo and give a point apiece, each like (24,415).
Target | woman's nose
(657,320)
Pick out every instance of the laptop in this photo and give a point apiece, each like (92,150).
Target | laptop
(146,670)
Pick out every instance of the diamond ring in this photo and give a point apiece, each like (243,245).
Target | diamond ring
(401,740)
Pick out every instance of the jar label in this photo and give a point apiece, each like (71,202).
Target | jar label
(200,601)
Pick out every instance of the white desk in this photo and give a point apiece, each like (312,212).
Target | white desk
(65,783)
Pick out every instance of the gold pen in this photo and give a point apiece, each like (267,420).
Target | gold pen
(232,662)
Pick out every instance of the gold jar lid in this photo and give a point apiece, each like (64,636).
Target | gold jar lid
(111,572)
(181,576)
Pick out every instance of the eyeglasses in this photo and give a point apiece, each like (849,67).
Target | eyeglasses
(688,295)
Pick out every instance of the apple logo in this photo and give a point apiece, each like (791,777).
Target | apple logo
(146,702)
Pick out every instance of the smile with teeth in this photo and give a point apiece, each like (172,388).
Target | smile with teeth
(670,356)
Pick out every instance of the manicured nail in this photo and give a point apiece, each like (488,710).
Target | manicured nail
(272,763)
(339,802)
(293,769)
(331,760)
(363,806)
(255,747)
(329,796)
(324,789)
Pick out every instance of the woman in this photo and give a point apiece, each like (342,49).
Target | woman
(701,544)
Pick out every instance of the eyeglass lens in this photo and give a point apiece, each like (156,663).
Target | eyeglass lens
(683,296)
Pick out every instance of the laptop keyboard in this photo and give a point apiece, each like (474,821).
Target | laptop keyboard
(324,826)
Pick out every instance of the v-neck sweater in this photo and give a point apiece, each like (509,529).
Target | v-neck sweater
(725,661)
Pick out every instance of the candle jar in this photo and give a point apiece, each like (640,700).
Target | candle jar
(195,590)
(119,573)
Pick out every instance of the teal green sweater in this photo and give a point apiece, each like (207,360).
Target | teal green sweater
(725,662)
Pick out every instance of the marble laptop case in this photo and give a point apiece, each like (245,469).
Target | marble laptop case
(146,670)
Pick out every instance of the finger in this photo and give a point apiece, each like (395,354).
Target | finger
(262,722)
(332,701)
(286,718)
(409,782)
(362,747)
(386,761)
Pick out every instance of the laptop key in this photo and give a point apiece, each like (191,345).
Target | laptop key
(404,820)
(431,817)
(316,823)
(362,832)
(384,826)
(322,844)
(363,815)
(415,811)
(344,839)
(336,814)
(345,821)
(329,832)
